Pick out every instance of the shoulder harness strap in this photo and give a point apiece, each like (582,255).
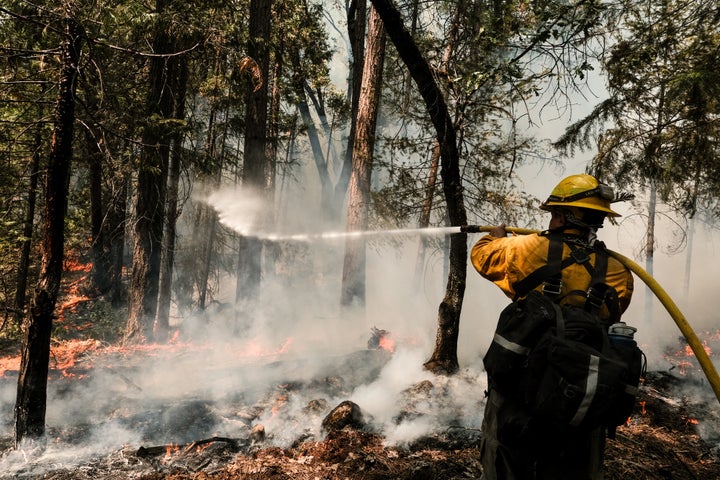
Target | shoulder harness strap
(552,268)
(550,274)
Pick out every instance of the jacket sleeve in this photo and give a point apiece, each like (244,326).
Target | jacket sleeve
(506,260)
(486,255)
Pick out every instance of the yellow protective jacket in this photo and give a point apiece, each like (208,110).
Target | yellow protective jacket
(507,260)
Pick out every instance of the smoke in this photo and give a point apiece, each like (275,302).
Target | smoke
(298,348)
(407,402)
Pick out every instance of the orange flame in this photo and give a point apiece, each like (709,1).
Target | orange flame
(387,343)
(689,351)
(74,265)
(64,356)
(280,401)
(169,451)
(201,448)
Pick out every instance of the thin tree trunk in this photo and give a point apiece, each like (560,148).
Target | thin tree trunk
(444,358)
(255,162)
(207,231)
(115,225)
(653,151)
(688,258)
(333,160)
(171,213)
(320,162)
(273,249)
(212,223)
(413,30)
(274,122)
(100,274)
(425,214)
(31,400)
(353,279)
(432,175)
(357,16)
(650,246)
(24,263)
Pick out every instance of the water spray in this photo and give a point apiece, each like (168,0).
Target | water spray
(307,237)
(428,231)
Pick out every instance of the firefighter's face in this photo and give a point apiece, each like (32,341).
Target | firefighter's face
(558,218)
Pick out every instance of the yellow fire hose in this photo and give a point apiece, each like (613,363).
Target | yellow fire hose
(682,323)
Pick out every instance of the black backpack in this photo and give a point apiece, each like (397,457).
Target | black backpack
(560,361)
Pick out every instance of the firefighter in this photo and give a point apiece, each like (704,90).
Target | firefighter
(516,444)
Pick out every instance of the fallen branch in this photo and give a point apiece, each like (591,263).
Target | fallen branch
(145,452)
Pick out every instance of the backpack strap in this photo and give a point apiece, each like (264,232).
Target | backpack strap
(598,290)
(600,293)
(552,268)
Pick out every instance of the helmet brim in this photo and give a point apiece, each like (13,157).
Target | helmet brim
(550,205)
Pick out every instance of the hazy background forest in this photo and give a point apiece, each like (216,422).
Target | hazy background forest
(161,144)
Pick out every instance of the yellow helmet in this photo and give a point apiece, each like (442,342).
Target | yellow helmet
(582,191)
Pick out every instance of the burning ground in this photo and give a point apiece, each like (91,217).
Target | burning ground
(209,405)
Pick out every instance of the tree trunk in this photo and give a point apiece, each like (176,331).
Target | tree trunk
(24,263)
(171,213)
(444,358)
(424,221)
(321,164)
(357,16)
(151,190)
(432,174)
(207,230)
(353,279)
(255,162)
(101,261)
(115,224)
(31,400)
(333,159)
(274,122)
(650,247)
(212,222)
(653,157)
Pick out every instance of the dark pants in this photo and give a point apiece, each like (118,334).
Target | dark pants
(516,446)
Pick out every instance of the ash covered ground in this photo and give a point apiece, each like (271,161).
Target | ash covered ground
(117,414)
